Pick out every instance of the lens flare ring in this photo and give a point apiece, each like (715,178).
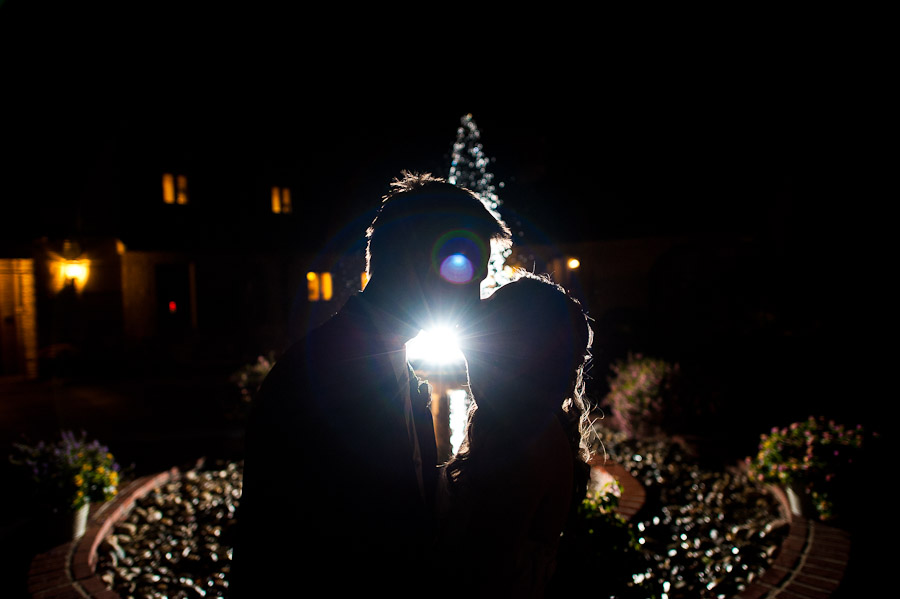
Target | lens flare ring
(459,257)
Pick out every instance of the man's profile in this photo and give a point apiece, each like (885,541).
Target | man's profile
(340,467)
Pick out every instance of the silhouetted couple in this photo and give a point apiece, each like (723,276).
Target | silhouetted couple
(342,490)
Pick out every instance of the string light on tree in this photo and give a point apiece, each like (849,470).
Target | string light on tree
(469,168)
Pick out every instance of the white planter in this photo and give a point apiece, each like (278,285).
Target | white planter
(800,501)
(68,525)
(79,520)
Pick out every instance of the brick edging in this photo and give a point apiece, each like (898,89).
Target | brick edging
(633,494)
(811,561)
(67,570)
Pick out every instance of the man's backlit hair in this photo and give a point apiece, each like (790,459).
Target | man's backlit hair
(419,208)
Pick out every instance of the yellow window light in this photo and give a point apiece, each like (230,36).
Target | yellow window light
(168,185)
(281,200)
(182,197)
(327,289)
(276,201)
(312,286)
(319,286)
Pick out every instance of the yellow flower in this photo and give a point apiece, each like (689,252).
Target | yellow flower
(86,467)
(100,470)
(78,480)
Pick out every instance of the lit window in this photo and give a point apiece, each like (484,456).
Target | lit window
(182,197)
(319,286)
(168,188)
(276,200)
(326,286)
(312,286)
(174,189)
(281,200)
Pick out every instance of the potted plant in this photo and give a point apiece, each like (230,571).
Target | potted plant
(812,460)
(68,476)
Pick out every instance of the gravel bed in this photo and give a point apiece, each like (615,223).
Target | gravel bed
(703,534)
(176,543)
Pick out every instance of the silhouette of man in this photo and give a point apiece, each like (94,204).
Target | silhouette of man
(341,465)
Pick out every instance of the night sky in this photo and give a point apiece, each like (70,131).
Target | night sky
(569,172)
(597,138)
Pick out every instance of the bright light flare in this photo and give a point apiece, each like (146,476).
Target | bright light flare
(436,346)
(459,416)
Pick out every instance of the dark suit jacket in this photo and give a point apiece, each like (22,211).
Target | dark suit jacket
(330,494)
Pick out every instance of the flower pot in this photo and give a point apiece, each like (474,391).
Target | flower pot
(800,501)
(79,520)
(69,525)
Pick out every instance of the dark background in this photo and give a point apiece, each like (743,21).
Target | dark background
(773,137)
(770,126)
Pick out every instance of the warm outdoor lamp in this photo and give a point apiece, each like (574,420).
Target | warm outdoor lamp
(75,270)
(573,263)
(70,272)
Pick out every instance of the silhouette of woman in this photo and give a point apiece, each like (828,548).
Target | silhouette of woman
(507,494)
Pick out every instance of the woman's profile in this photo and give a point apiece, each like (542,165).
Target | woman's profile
(506,495)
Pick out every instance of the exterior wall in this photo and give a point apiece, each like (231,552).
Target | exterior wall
(80,314)
(18,318)
(611,274)
(237,305)
(241,304)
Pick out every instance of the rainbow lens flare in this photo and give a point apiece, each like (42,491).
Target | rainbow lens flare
(458,256)
(457,269)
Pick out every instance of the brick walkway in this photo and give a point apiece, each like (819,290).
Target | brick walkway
(810,564)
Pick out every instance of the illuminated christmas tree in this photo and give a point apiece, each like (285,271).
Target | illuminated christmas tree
(469,168)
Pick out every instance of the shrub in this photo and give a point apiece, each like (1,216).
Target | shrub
(249,377)
(599,550)
(814,456)
(643,395)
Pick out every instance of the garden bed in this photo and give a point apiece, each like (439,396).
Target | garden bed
(701,533)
